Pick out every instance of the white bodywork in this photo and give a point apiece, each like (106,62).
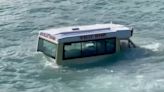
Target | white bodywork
(80,33)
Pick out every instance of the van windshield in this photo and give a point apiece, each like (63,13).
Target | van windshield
(47,47)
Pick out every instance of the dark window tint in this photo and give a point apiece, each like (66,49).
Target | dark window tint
(72,50)
(100,45)
(89,48)
(110,45)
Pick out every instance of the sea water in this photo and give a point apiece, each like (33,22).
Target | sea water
(22,69)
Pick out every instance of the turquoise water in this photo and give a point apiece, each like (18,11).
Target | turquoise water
(22,69)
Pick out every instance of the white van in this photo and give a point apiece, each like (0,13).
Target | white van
(84,44)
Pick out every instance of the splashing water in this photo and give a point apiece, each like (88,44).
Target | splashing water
(153,46)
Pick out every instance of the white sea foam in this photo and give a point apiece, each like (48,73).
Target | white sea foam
(49,62)
(154,46)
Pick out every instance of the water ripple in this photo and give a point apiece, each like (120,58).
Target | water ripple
(134,70)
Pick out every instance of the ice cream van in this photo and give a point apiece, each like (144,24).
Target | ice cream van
(84,44)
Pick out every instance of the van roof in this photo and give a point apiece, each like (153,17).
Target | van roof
(86,32)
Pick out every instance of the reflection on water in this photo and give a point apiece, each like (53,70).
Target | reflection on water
(22,69)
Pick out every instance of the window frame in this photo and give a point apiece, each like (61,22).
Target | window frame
(38,49)
(97,54)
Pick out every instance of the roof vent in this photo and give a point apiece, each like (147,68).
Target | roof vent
(74,29)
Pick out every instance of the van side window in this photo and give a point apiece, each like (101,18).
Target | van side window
(110,45)
(89,48)
(72,50)
(101,46)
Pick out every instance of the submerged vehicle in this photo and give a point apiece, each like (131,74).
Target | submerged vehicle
(84,44)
